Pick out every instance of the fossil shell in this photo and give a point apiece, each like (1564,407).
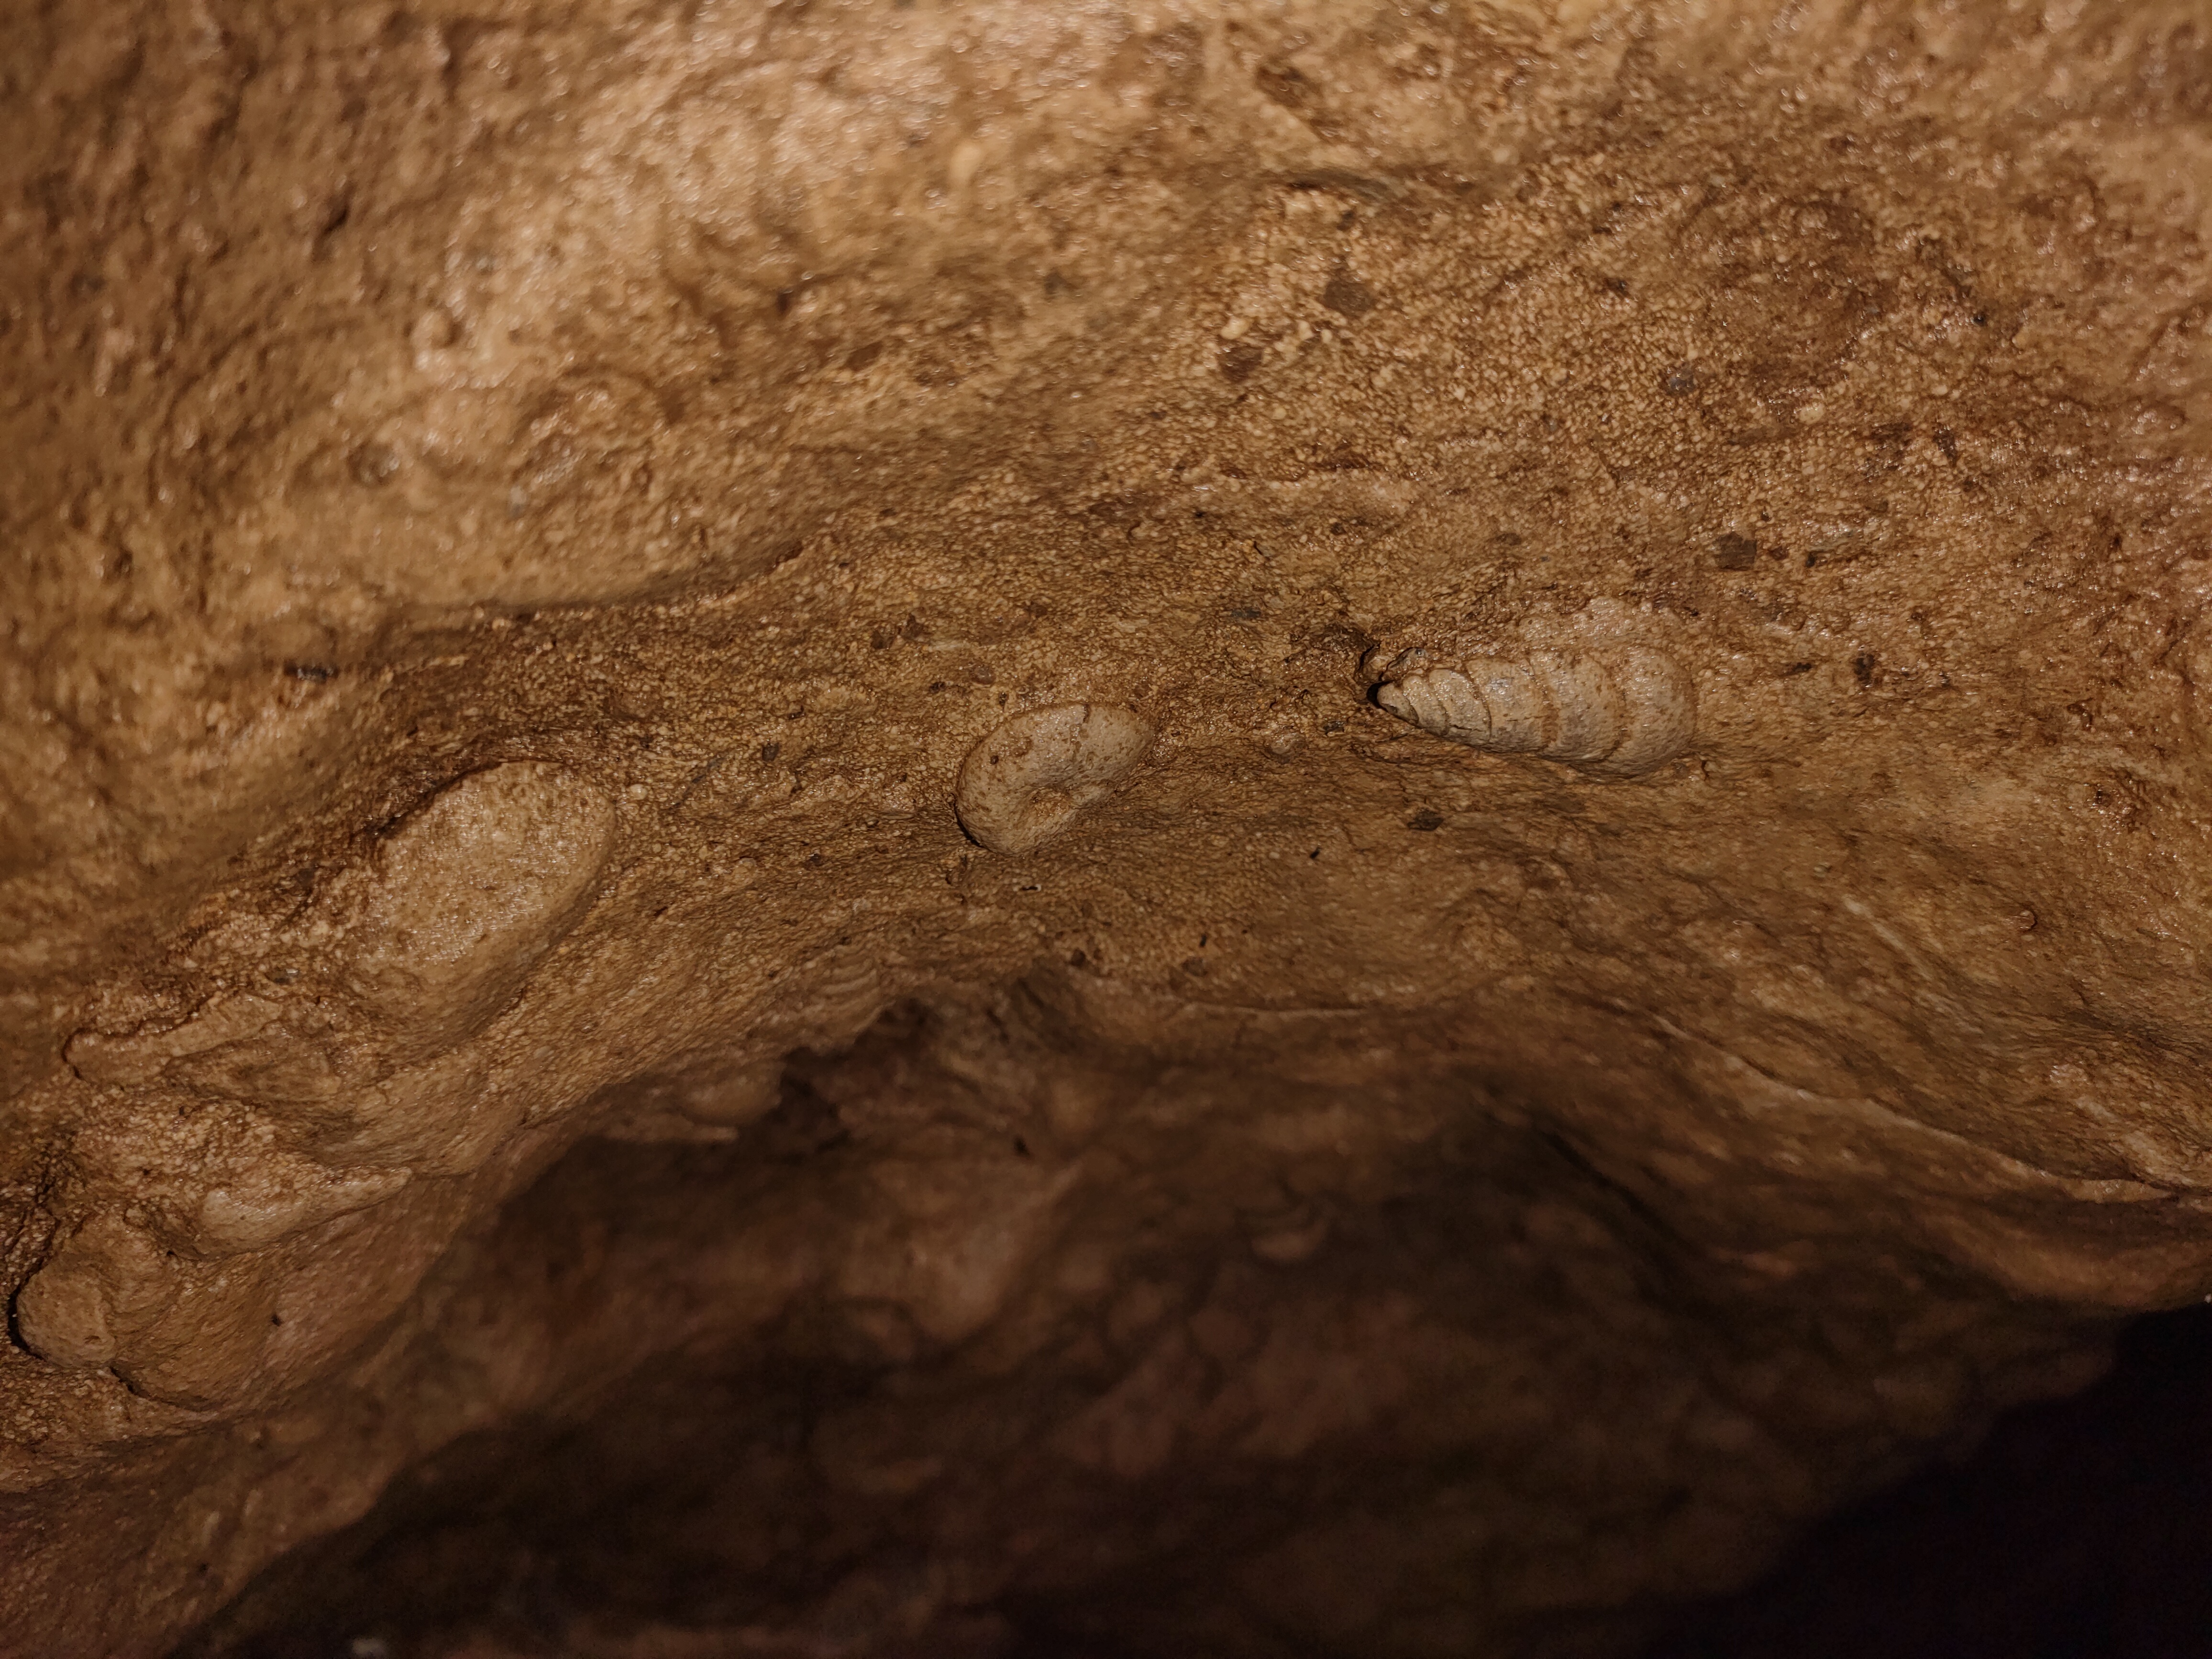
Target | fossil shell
(1590,716)
(1662,702)
(1032,778)
(1616,715)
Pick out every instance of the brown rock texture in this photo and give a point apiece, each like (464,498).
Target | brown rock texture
(1569,639)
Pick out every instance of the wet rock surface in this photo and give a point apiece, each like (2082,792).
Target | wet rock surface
(565,958)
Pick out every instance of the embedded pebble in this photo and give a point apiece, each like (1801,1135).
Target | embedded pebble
(1034,775)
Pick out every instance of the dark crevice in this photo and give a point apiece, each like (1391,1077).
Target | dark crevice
(2077,1528)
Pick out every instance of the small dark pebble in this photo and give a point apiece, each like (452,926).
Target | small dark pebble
(1346,294)
(1735,552)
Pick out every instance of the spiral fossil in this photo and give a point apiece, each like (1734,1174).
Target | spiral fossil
(1038,772)
(1618,714)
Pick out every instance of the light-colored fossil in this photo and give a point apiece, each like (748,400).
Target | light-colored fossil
(1619,714)
(1032,778)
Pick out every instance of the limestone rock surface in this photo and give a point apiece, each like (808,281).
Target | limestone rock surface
(532,526)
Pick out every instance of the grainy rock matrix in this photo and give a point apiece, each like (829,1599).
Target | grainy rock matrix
(706,818)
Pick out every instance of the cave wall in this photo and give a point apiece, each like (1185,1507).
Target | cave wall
(1299,825)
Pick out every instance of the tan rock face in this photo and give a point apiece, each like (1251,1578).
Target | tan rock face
(1240,828)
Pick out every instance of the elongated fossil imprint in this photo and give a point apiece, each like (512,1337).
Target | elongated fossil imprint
(1618,713)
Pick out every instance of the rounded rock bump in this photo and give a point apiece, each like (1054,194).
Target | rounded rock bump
(63,1315)
(470,893)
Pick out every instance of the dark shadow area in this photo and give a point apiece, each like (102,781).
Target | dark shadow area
(805,1486)
(2078,1529)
